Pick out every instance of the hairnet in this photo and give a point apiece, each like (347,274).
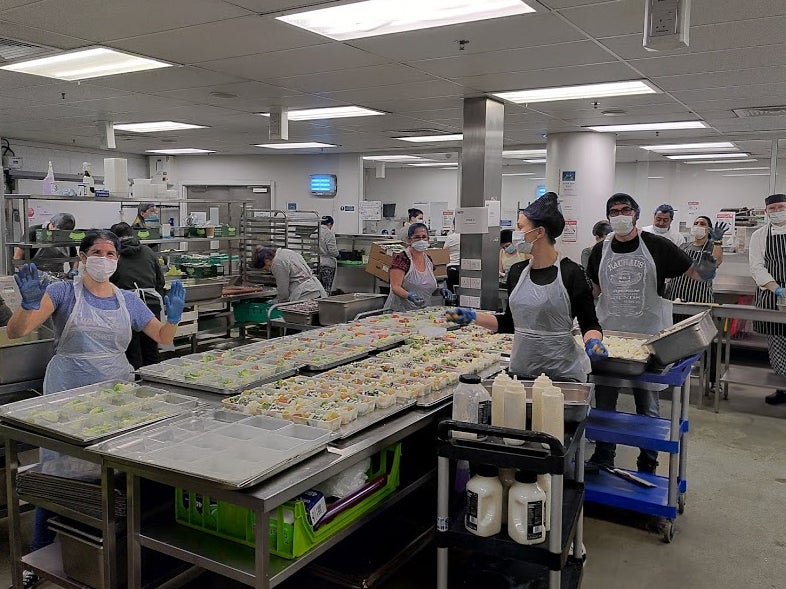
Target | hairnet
(145,206)
(544,212)
(709,221)
(601,229)
(122,230)
(261,255)
(620,198)
(774,198)
(665,208)
(327,220)
(94,236)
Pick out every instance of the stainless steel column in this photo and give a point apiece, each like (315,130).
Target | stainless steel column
(481,180)
(4,210)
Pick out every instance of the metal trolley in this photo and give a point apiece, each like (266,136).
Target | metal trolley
(667,497)
(540,454)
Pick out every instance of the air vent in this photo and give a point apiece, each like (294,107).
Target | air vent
(11,49)
(760,111)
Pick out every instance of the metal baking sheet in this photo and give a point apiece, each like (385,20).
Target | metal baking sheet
(231,449)
(366,421)
(168,405)
(153,377)
(337,363)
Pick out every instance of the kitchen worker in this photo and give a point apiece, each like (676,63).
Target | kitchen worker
(599,231)
(412,280)
(767,260)
(413,216)
(294,279)
(138,270)
(546,293)
(663,225)
(453,245)
(147,212)
(508,252)
(93,321)
(628,273)
(51,259)
(328,253)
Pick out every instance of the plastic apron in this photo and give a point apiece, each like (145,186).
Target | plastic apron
(422,283)
(308,289)
(629,299)
(92,346)
(543,340)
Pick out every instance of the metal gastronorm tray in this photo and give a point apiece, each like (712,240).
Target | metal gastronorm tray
(683,339)
(58,415)
(229,448)
(153,374)
(622,366)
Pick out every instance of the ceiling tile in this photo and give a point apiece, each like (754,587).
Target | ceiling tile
(605,72)
(394,93)
(528,30)
(245,92)
(165,79)
(712,61)
(103,20)
(272,66)
(350,79)
(715,11)
(39,37)
(609,18)
(745,92)
(515,60)
(750,75)
(268,6)
(236,37)
(62,93)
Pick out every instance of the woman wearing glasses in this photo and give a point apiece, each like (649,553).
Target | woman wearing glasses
(412,280)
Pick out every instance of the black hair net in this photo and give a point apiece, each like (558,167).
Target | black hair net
(544,212)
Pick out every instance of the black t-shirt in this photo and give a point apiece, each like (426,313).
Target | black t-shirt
(670,260)
(582,305)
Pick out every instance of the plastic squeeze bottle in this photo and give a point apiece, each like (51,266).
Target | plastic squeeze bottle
(515,409)
(484,503)
(501,382)
(526,502)
(541,383)
(49,186)
(471,404)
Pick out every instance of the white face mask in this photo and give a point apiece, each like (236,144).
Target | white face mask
(100,269)
(697,231)
(777,217)
(522,245)
(659,230)
(420,245)
(622,224)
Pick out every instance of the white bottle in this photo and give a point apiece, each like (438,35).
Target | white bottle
(507,476)
(471,404)
(544,482)
(515,409)
(49,186)
(526,503)
(501,381)
(552,414)
(541,383)
(88,179)
(484,503)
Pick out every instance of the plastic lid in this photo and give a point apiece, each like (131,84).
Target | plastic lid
(469,378)
(523,476)
(486,470)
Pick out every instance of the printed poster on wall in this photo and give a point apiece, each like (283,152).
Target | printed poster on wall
(570,233)
(447,219)
(371,210)
(727,217)
(567,185)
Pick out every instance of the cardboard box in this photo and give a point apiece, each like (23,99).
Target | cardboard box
(385,251)
(379,269)
(440,271)
(439,256)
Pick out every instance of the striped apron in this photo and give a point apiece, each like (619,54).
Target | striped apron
(687,289)
(775,263)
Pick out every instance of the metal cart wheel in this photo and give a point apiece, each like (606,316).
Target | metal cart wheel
(681,504)
(668,531)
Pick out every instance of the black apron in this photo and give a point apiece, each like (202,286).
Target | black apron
(687,289)
(775,263)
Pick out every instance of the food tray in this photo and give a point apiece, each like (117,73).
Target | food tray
(683,339)
(96,412)
(226,447)
(337,363)
(366,421)
(151,374)
(343,308)
(622,366)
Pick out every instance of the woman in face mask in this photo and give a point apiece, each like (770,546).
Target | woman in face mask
(508,253)
(412,280)
(545,294)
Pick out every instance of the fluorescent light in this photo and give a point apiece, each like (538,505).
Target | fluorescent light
(535,161)
(432,138)
(737,175)
(434,164)
(655,177)
(705,156)
(520,174)
(535,178)
(393,158)
(333,112)
(602,90)
(92,62)
(156,126)
(180,151)
(705,162)
(523,152)
(650,127)
(303,145)
(690,146)
(383,17)
(736,169)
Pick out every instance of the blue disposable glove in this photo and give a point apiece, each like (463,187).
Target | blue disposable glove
(416,298)
(596,350)
(780,292)
(32,286)
(461,315)
(72,273)
(174,302)
(446,293)
(718,232)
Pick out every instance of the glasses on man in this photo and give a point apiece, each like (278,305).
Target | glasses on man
(627,211)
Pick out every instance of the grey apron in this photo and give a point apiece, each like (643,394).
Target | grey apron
(422,283)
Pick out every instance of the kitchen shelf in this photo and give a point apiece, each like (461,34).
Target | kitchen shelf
(606,488)
(63,510)
(116,199)
(652,433)
(752,375)
(48,564)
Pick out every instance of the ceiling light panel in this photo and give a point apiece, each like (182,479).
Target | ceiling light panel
(736,169)
(706,156)
(690,146)
(180,151)
(383,17)
(705,162)
(603,90)
(156,126)
(535,161)
(304,145)
(434,165)
(393,158)
(523,152)
(740,175)
(92,62)
(333,112)
(520,174)
(432,138)
(672,126)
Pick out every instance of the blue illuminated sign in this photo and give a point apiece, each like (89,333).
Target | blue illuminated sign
(323,184)
(540,190)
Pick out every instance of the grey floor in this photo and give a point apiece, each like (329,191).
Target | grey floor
(733,532)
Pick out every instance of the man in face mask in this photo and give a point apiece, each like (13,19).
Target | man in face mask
(767,259)
(628,275)
(662,225)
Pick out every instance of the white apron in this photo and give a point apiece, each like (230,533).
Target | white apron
(422,283)
(92,346)
(543,341)
(629,299)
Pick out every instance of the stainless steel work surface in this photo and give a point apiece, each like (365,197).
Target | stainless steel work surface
(25,358)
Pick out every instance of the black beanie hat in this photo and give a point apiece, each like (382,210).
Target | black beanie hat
(773,198)
(622,198)
(544,212)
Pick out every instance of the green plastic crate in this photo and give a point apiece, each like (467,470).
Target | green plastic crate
(290,533)
(253,312)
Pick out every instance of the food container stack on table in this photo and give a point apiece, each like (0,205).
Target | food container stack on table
(343,308)
(300,312)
